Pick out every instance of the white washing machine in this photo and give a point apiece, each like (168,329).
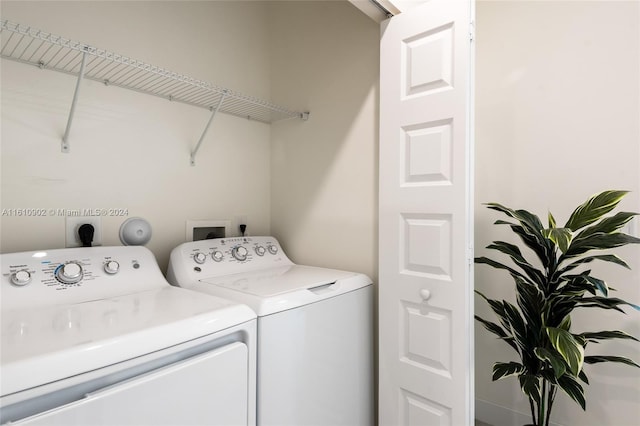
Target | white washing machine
(96,336)
(315,328)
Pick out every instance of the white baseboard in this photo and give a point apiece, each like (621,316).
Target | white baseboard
(497,415)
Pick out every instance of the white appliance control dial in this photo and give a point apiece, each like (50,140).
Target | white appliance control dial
(217,255)
(111,267)
(232,255)
(64,277)
(240,253)
(21,278)
(69,273)
(200,257)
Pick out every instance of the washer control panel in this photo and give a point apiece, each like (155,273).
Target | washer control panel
(223,256)
(220,250)
(75,274)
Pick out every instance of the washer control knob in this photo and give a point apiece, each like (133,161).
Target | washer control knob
(69,273)
(111,267)
(272,249)
(260,251)
(200,257)
(21,278)
(217,256)
(240,253)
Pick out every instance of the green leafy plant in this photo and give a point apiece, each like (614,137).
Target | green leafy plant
(551,356)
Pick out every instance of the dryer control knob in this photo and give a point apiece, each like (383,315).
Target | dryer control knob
(200,257)
(111,267)
(21,278)
(69,273)
(240,253)
(217,256)
(272,249)
(260,251)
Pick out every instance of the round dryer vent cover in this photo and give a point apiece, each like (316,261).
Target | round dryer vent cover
(135,231)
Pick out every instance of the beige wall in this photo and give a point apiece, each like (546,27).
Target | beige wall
(130,150)
(558,119)
(324,171)
(558,102)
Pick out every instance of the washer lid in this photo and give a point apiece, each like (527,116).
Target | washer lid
(272,290)
(276,281)
(51,343)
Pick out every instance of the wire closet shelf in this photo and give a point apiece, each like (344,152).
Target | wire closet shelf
(28,45)
(48,51)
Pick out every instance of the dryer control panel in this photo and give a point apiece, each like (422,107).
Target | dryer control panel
(75,275)
(224,256)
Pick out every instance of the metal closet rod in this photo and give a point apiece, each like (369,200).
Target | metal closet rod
(48,51)
(382,9)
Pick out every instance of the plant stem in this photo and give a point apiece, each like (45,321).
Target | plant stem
(533,411)
(551,397)
(542,405)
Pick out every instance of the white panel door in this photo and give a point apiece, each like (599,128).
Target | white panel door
(425,257)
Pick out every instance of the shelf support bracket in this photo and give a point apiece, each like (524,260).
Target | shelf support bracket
(214,111)
(65,138)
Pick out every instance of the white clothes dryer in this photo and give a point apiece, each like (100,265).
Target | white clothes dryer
(315,328)
(96,336)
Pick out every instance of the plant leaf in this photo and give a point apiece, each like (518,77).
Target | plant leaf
(491,326)
(498,265)
(567,347)
(577,285)
(594,208)
(604,257)
(552,220)
(608,224)
(498,309)
(601,285)
(506,369)
(583,376)
(558,308)
(556,361)
(604,303)
(561,237)
(594,359)
(514,253)
(526,218)
(498,331)
(573,389)
(565,324)
(529,231)
(531,301)
(605,335)
(518,327)
(530,386)
(598,241)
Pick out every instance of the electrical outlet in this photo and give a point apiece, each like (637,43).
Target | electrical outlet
(73,223)
(242,224)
